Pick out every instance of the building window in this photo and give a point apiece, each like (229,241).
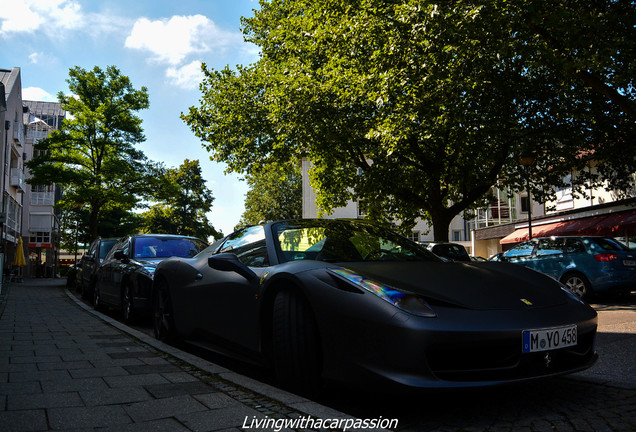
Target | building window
(457,235)
(362,209)
(39,237)
(524,204)
(415,236)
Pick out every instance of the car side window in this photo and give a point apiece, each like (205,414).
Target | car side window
(249,246)
(521,250)
(122,245)
(573,246)
(550,246)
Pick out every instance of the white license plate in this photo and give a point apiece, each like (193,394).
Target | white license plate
(629,262)
(549,338)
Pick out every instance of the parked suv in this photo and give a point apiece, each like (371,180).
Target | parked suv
(587,265)
(90,262)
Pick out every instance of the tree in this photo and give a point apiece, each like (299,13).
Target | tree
(419,107)
(114,222)
(275,193)
(93,155)
(184,200)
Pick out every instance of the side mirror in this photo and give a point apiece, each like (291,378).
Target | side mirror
(230,262)
(120,255)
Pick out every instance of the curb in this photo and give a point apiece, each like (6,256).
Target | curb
(283,397)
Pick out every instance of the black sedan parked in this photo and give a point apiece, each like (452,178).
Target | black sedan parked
(124,279)
(90,262)
(348,301)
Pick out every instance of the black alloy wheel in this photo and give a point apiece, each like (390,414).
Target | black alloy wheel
(296,344)
(97,302)
(127,305)
(162,317)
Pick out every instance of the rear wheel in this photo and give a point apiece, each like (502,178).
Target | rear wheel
(127,305)
(162,317)
(83,291)
(296,346)
(577,284)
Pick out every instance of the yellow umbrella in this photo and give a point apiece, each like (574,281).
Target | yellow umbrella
(19,260)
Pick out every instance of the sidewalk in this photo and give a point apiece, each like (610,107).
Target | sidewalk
(64,368)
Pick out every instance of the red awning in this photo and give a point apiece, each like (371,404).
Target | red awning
(609,225)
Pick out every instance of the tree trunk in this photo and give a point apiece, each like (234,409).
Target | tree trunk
(441,221)
(93,232)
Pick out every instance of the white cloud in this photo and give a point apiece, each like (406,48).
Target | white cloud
(172,40)
(37,94)
(187,77)
(19,18)
(180,39)
(30,15)
(35,57)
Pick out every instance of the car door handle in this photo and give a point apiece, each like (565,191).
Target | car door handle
(198,276)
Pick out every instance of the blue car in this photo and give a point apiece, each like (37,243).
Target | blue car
(586,265)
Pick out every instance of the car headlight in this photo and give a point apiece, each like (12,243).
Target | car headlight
(404,300)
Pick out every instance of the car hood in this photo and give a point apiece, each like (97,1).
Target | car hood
(480,286)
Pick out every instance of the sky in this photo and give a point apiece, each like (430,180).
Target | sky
(159,44)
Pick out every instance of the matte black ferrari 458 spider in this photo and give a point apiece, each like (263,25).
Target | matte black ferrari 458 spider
(346,300)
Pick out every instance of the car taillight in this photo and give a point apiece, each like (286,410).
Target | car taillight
(606,257)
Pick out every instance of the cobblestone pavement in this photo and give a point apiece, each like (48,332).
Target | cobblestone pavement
(62,368)
(562,404)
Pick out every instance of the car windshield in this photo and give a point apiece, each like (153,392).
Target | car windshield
(164,247)
(344,241)
(105,247)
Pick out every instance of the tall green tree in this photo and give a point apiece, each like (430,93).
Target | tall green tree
(275,192)
(93,154)
(183,203)
(419,107)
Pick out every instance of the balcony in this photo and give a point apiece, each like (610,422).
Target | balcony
(17,179)
(42,198)
(18,133)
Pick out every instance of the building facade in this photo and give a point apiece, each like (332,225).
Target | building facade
(41,229)
(506,220)
(12,179)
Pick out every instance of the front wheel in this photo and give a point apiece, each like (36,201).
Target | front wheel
(127,305)
(97,302)
(577,284)
(162,317)
(296,344)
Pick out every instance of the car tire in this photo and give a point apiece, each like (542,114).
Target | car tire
(296,347)
(578,285)
(97,302)
(162,316)
(127,304)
